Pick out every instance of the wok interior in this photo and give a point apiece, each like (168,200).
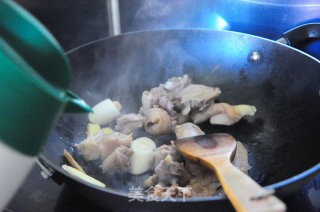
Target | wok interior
(282,138)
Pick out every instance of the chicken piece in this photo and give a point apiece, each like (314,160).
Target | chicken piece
(157,121)
(118,161)
(204,186)
(180,119)
(204,181)
(157,98)
(170,172)
(157,192)
(102,145)
(128,123)
(151,181)
(184,191)
(223,113)
(163,151)
(187,130)
(197,96)
(172,191)
(89,148)
(113,141)
(196,169)
(175,85)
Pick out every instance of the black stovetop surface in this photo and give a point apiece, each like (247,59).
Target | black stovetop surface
(37,194)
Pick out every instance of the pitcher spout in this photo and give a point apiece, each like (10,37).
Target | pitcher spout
(76,104)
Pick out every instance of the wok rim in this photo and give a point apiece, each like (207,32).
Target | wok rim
(313,170)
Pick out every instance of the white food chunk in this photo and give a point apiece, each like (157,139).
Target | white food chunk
(104,112)
(142,157)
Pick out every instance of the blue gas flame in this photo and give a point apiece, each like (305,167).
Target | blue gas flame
(217,22)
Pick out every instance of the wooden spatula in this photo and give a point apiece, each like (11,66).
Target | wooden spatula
(215,152)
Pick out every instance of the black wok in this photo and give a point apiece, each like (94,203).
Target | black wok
(283,138)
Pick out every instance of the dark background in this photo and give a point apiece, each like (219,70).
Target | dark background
(76,22)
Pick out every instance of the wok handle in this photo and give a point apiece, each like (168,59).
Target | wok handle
(300,34)
(48,172)
(244,193)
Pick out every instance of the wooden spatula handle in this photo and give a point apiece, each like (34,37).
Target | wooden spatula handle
(244,193)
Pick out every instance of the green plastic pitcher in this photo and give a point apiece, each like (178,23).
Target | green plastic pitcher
(34,80)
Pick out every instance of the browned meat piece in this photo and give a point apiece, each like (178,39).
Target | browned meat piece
(101,145)
(184,191)
(158,189)
(172,191)
(197,96)
(151,181)
(223,113)
(89,148)
(204,183)
(157,121)
(170,172)
(180,119)
(128,123)
(118,161)
(195,169)
(187,130)
(167,154)
(113,141)
(163,151)
(204,188)
(156,98)
(175,85)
